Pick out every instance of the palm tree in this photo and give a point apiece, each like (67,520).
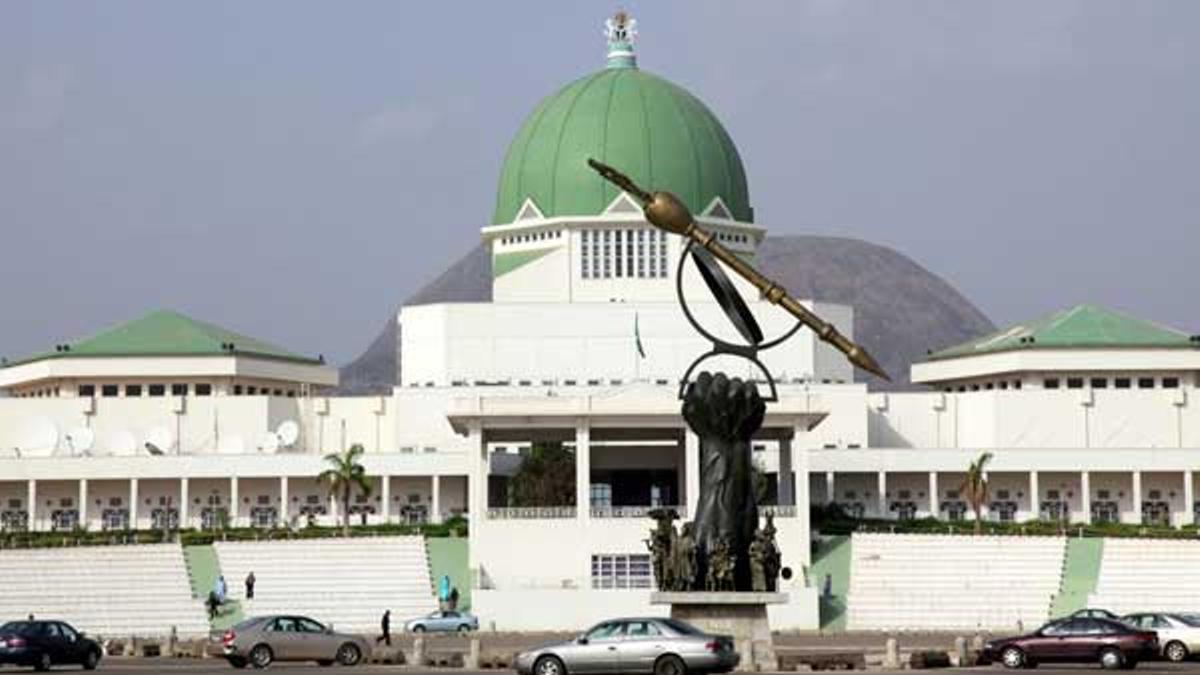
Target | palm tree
(344,474)
(975,488)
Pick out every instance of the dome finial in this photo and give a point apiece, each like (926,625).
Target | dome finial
(621,30)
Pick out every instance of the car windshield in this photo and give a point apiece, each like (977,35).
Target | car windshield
(681,627)
(248,624)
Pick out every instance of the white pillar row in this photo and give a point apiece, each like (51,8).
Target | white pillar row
(31,504)
(691,471)
(184,503)
(830,488)
(285,502)
(786,476)
(234,501)
(1137,497)
(385,497)
(83,503)
(436,491)
(1035,497)
(1189,498)
(583,470)
(933,494)
(133,503)
(881,494)
(1085,496)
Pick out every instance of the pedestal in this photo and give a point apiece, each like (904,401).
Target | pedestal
(742,616)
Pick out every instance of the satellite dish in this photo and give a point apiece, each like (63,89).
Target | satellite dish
(161,439)
(123,443)
(40,439)
(269,443)
(234,445)
(289,433)
(81,440)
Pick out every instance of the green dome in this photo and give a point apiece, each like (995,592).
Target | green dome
(642,125)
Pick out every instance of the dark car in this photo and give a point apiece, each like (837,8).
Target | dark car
(1112,644)
(43,644)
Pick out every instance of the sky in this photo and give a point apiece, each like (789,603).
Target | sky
(294,170)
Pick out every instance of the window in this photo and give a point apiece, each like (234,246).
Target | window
(1170,383)
(179,390)
(1099,383)
(1050,383)
(624,254)
(636,629)
(583,253)
(1074,383)
(605,631)
(237,390)
(204,389)
(1145,383)
(157,389)
(87,390)
(252,391)
(621,571)
(1016,384)
(133,390)
(1121,383)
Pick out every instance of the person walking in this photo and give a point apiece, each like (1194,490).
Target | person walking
(250,585)
(385,627)
(220,589)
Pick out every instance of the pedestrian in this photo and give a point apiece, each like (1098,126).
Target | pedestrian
(444,591)
(212,605)
(385,626)
(219,590)
(454,598)
(250,585)
(828,592)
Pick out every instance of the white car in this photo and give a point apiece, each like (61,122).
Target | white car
(1179,634)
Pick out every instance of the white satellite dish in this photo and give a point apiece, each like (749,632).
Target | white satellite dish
(269,443)
(40,439)
(161,439)
(233,445)
(289,433)
(81,440)
(123,443)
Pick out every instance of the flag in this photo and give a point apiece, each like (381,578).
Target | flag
(637,336)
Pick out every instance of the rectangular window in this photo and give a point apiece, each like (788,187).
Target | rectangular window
(606,259)
(629,253)
(1099,383)
(641,254)
(617,248)
(1145,383)
(87,390)
(1074,383)
(237,390)
(1016,384)
(583,253)
(1121,382)
(1170,383)
(621,571)
(662,253)
(204,389)
(133,390)
(1050,383)
(252,391)
(157,389)
(109,390)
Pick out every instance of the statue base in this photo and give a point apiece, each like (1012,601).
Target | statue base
(740,615)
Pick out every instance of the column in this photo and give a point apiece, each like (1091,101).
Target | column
(830,488)
(31,504)
(477,481)
(385,498)
(234,501)
(786,477)
(802,500)
(83,503)
(285,503)
(1085,496)
(1137,497)
(583,470)
(185,504)
(691,471)
(881,486)
(436,508)
(1189,509)
(133,503)
(933,495)
(1035,497)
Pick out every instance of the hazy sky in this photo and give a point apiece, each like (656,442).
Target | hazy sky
(295,169)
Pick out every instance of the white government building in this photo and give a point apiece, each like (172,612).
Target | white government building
(1091,415)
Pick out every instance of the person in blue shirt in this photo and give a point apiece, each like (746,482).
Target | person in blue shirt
(219,589)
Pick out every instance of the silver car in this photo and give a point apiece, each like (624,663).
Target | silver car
(448,621)
(634,645)
(260,641)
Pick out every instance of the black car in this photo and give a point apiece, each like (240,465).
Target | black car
(1112,644)
(43,644)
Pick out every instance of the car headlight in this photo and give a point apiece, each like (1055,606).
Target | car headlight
(989,645)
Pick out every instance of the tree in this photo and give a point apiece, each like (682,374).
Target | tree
(343,476)
(975,488)
(545,478)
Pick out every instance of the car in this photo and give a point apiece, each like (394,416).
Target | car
(260,641)
(445,621)
(43,644)
(1112,644)
(1179,634)
(634,645)
(1094,613)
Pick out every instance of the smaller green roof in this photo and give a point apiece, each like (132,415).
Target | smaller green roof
(166,333)
(1080,327)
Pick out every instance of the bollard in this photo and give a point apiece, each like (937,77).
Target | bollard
(746,649)
(473,655)
(172,641)
(960,648)
(892,658)
(418,658)
(977,643)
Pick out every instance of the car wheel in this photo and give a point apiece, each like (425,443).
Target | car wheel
(237,662)
(418,628)
(464,628)
(261,656)
(549,665)
(1129,664)
(324,663)
(669,665)
(349,654)
(43,663)
(1111,659)
(1175,651)
(1012,657)
(91,660)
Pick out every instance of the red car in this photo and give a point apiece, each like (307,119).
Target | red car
(1112,644)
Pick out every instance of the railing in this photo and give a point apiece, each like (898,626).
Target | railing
(633,511)
(779,511)
(530,512)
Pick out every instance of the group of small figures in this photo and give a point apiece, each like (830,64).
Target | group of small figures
(680,565)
